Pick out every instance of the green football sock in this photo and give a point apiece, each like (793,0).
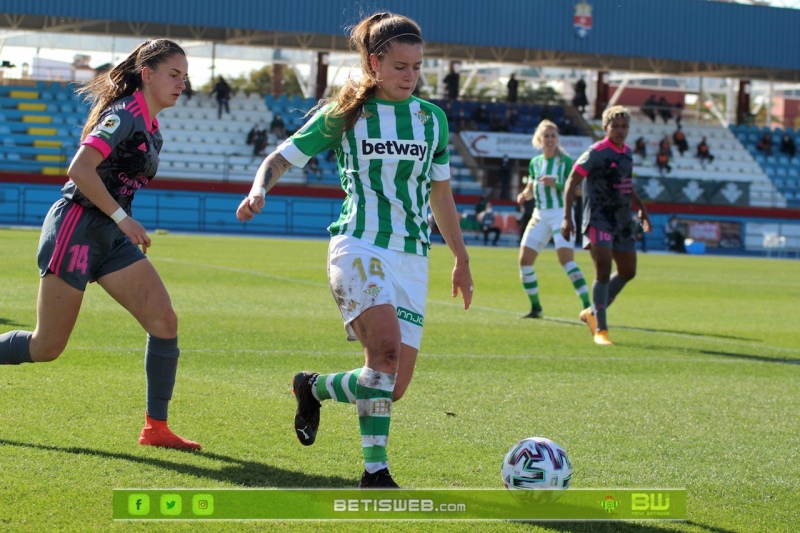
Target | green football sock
(340,386)
(374,404)
(579,282)
(530,285)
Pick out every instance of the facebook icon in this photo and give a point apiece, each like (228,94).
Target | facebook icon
(138,504)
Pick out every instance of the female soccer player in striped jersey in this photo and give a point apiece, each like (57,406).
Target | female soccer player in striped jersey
(393,160)
(547,173)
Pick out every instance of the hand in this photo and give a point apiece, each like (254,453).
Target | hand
(250,207)
(135,232)
(548,181)
(567,229)
(644,219)
(462,281)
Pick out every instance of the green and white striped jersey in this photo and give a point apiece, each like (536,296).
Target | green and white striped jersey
(559,167)
(386,165)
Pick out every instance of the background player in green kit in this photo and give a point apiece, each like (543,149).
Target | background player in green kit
(547,173)
(89,235)
(608,227)
(391,149)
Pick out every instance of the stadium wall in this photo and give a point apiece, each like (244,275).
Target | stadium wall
(202,207)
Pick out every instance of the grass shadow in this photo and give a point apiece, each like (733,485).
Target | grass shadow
(732,355)
(235,471)
(653,330)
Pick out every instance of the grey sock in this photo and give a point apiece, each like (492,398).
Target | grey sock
(600,303)
(161,366)
(15,347)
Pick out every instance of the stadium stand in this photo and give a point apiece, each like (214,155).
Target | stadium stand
(732,161)
(782,171)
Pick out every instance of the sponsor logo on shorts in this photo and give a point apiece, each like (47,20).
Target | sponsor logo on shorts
(410,316)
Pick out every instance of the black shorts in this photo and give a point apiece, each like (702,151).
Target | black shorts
(617,242)
(80,245)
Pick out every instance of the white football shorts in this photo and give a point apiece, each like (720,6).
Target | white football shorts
(544,224)
(362,275)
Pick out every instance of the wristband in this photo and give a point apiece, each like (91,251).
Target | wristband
(261,190)
(119,215)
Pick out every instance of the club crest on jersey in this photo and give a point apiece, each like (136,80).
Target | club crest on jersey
(110,124)
(393,149)
(422,116)
(373,290)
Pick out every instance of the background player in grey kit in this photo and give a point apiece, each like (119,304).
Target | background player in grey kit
(608,227)
(393,159)
(89,234)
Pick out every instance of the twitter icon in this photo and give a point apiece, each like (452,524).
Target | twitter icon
(170,504)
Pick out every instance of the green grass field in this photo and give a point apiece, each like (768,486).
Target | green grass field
(699,391)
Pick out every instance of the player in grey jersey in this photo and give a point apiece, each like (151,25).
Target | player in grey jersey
(89,234)
(608,227)
(391,148)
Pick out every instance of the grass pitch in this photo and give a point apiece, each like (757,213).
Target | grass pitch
(699,391)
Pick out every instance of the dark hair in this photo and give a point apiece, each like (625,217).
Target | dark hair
(373,35)
(124,79)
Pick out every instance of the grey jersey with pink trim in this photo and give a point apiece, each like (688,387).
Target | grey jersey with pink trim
(130,143)
(607,187)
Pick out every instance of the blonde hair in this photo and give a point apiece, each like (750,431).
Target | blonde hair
(373,35)
(616,111)
(124,79)
(538,136)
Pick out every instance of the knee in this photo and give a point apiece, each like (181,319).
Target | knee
(398,393)
(383,355)
(164,325)
(627,276)
(46,351)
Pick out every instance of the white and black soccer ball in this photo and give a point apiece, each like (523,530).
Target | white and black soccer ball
(537,463)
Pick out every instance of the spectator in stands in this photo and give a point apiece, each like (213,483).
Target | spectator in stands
(678,107)
(765,143)
(188,92)
(579,100)
(223,93)
(703,153)
(548,171)
(649,108)
(679,138)
(504,176)
(676,240)
(664,155)
(662,161)
(451,83)
(512,87)
(89,234)
(278,127)
(487,218)
(377,260)
(640,148)
(609,194)
(480,206)
(664,109)
(788,146)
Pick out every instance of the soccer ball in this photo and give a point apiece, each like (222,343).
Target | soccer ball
(537,464)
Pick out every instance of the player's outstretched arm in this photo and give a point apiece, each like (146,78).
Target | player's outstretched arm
(446,215)
(271,169)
